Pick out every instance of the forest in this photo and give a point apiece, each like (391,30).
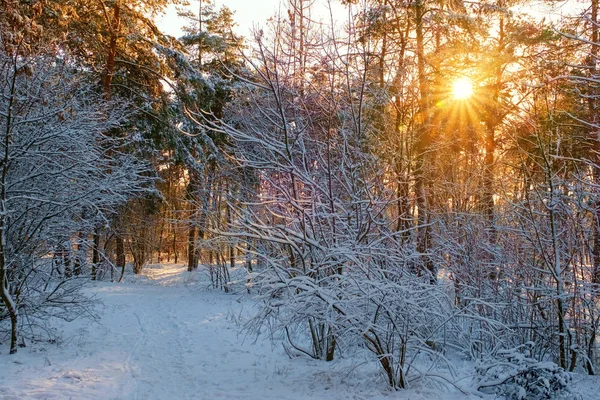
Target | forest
(411,180)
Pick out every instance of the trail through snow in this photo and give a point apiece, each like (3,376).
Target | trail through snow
(161,336)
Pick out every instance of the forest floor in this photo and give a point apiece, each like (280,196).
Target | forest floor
(163,335)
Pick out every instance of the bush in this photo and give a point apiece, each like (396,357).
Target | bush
(516,376)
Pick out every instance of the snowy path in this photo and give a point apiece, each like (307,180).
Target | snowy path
(161,337)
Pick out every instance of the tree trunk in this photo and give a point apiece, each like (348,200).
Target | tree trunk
(112,50)
(109,71)
(595,153)
(160,239)
(492,121)
(8,302)
(402,172)
(404,218)
(488,183)
(79,258)
(421,147)
(191,246)
(232,244)
(66,259)
(120,255)
(589,366)
(175,254)
(10,305)
(95,253)
(595,157)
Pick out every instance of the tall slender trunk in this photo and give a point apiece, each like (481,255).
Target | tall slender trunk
(192,189)
(298,19)
(7,299)
(66,259)
(175,253)
(589,366)
(493,119)
(10,305)
(421,147)
(191,245)
(403,224)
(120,255)
(205,206)
(402,165)
(230,247)
(595,153)
(95,252)
(595,156)
(198,250)
(160,239)
(109,69)
(488,183)
(232,244)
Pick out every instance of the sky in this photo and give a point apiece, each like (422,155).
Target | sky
(251,13)
(247,14)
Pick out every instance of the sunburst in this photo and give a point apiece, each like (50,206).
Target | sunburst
(462,88)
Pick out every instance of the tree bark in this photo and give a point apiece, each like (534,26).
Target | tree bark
(120,255)
(95,252)
(10,305)
(595,157)
(109,70)
(175,253)
(421,147)
(191,246)
(595,153)
(493,119)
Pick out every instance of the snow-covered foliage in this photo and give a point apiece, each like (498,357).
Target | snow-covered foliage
(65,168)
(340,264)
(331,271)
(516,376)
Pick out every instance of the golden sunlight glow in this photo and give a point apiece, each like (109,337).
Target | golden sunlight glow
(462,89)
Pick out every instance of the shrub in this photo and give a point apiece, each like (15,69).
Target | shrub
(516,376)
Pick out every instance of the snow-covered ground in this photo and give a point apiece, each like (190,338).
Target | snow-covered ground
(163,336)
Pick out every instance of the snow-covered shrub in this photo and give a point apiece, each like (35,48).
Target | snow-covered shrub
(307,308)
(336,270)
(401,319)
(64,171)
(45,296)
(517,376)
(373,303)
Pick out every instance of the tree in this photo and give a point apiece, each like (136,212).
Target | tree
(58,161)
(580,81)
(205,73)
(116,40)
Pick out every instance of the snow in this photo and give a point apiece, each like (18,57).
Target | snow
(165,335)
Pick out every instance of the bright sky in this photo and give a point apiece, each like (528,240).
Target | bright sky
(247,13)
(250,13)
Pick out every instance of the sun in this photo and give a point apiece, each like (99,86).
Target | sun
(462,88)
